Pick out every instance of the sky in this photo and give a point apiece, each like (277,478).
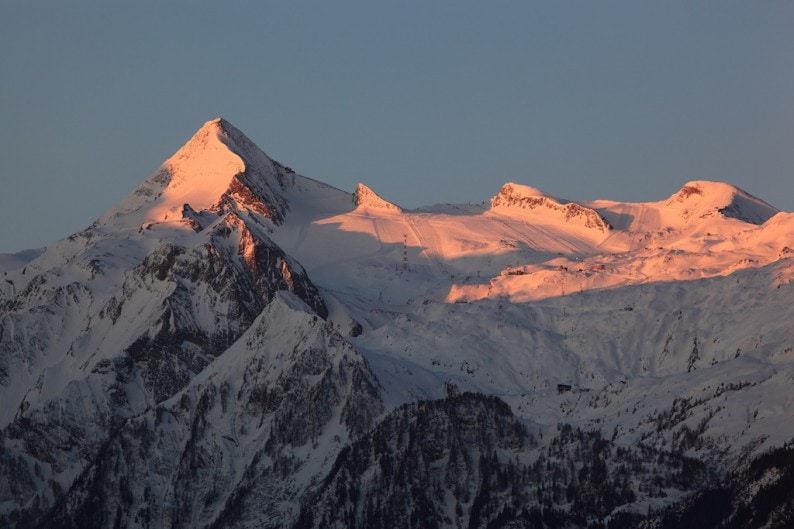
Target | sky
(425,102)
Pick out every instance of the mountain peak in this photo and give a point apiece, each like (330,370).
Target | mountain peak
(705,188)
(366,197)
(512,193)
(202,169)
(526,200)
(218,169)
(215,124)
(228,134)
(705,198)
(221,125)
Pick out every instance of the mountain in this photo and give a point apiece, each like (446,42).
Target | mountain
(237,345)
(117,319)
(540,208)
(252,429)
(365,197)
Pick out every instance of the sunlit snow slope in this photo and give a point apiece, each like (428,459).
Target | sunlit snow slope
(528,245)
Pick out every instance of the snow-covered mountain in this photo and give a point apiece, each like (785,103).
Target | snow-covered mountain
(237,345)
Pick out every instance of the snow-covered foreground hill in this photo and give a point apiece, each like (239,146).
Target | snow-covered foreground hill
(236,345)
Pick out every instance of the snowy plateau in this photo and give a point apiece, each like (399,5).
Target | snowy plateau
(237,345)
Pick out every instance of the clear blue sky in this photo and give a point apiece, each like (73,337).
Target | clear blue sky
(426,102)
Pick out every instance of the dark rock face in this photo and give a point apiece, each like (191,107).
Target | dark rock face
(759,496)
(240,278)
(466,461)
(417,461)
(224,449)
(176,311)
